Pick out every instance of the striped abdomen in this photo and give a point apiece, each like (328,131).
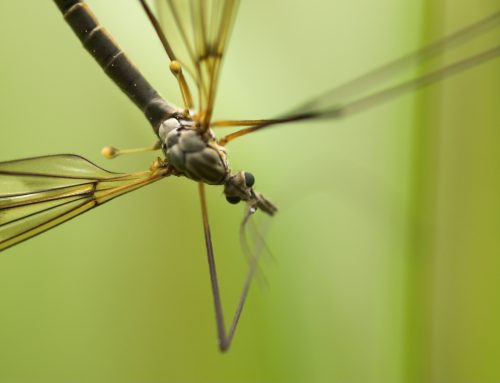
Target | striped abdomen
(96,39)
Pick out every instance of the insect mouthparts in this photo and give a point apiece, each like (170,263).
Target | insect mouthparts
(238,187)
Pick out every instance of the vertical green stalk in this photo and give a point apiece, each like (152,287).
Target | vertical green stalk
(452,311)
(422,215)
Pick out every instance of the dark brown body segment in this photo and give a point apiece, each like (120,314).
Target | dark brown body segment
(114,62)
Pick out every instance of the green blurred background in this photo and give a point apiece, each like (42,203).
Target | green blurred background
(386,249)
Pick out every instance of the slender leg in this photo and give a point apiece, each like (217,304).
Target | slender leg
(228,123)
(225,338)
(175,66)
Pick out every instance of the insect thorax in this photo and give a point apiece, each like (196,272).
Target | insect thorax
(192,155)
(202,159)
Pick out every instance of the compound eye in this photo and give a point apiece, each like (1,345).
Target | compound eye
(249,179)
(233,199)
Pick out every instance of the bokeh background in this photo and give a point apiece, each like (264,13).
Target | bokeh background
(386,249)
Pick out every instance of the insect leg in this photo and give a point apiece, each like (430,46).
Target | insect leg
(175,66)
(225,338)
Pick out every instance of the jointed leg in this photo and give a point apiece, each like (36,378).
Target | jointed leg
(225,338)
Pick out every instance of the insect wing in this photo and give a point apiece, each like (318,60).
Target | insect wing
(42,192)
(198,32)
(382,83)
(385,83)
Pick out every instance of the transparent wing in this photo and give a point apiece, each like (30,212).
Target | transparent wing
(385,83)
(37,194)
(197,33)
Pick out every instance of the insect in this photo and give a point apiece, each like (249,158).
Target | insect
(45,191)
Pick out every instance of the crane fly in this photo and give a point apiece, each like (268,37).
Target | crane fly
(42,192)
